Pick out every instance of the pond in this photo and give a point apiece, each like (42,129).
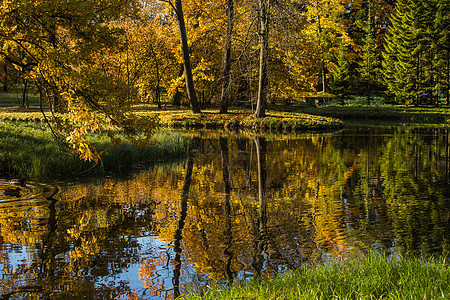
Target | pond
(236,207)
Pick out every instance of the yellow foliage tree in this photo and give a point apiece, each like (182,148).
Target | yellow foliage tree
(70,49)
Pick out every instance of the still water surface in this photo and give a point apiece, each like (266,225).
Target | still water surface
(235,207)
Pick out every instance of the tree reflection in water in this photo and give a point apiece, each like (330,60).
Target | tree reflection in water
(183,213)
(234,208)
(228,234)
(261,234)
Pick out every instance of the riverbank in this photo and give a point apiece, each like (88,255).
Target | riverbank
(237,119)
(280,119)
(244,120)
(29,150)
(385,113)
(374,277)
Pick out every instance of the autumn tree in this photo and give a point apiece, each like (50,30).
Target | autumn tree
(177,7)
(241,81)
(150,54)
(8,75)
(225,97)
(326,26)
(294,54)
(13,72)
(69,48)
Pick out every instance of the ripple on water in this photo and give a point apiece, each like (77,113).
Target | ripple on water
(22,195)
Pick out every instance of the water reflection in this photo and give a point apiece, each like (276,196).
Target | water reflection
(183,214)
(236,207)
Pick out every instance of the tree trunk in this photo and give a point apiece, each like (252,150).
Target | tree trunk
(186,59)
(448,79)
(418,102)
(263,81)
(228,234)
(25,100)
(157,89)
(369,66)
(176,100)
(5,79)
(158,95)
(261,237)
(323,70)
(324,78)
(225,98)
(225,163)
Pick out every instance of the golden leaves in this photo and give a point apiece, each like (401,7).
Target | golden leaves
(70,50)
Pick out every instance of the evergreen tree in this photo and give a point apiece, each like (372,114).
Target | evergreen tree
(342,79)
(408,60)
(440,46)
(368,63)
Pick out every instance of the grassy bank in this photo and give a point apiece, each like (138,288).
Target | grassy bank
(237,119)
(375,277)
(245,121)
(403,114)
(29,150)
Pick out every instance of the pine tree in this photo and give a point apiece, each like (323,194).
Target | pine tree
(407,61)
(342,79)
(369,59)
(440,45)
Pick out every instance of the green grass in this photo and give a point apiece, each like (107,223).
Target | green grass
(166,147)
(375,277)
(237,119)
(29,150)
(14,98)
(400,113)
(242,119)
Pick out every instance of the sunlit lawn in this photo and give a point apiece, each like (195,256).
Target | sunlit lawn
(237,118)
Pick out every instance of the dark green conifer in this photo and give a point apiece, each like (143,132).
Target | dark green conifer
(440,47)
(342,79)
(369,63)
(411,61)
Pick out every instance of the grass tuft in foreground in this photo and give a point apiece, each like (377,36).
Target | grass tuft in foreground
(375,277)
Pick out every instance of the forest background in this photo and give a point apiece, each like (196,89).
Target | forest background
(94,61)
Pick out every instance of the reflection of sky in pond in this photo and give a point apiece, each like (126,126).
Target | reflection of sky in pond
(17,256)
(149,247)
